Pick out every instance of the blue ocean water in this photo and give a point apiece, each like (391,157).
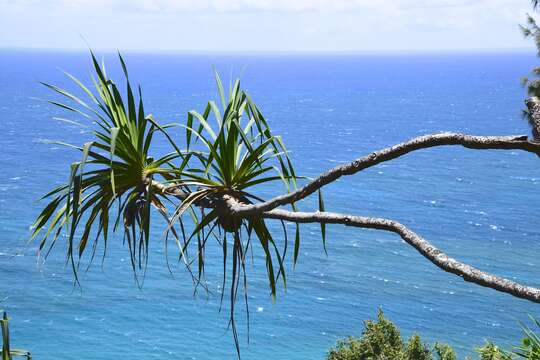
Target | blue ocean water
(478,206)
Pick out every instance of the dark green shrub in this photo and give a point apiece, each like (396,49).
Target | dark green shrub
(528,349)
(415,349)
(490,351)
(381,340)
(444,351)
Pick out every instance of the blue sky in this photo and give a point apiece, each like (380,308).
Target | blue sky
(264,25)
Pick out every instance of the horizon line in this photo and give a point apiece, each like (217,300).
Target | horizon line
(522,49)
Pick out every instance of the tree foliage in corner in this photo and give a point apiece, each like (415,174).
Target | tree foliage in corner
(381,339)
(532,85)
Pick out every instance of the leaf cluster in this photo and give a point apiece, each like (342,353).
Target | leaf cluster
(532,31)
(108,185)
(381,340)
(118,183)
(230,150)
(529,348)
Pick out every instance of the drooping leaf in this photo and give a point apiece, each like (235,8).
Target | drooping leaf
(323,224)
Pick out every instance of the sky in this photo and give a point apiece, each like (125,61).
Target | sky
(264,25)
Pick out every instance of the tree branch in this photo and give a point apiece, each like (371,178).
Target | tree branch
(430,252)
(177,192)
(268,208)
(533,115)
(422,142)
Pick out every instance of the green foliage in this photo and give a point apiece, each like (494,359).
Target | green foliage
(381,340)
(444,351)
(490,351)
(348,349)
(532,83)
(237,151)
(532,31)
(530,344)
(528,349)
(415,349)
(115,168)
(8,353)
(229,150)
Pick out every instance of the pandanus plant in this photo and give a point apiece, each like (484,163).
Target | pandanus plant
(7,352)
(229,150)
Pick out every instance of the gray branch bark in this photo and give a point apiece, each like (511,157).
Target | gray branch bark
(422,142)
(268,209)
(430,252)
(533,116)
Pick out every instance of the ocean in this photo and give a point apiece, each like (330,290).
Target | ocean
(481,207)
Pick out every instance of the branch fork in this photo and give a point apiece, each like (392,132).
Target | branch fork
(269,209)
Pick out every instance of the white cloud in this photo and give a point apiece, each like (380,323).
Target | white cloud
(223,6)
(263,24)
